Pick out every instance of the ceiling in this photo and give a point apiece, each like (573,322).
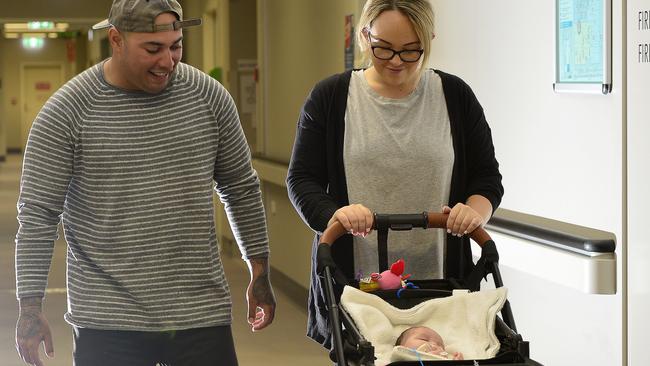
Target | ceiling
(79,14)
(56,10)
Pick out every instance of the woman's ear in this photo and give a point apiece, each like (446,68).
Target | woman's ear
(433,35)
(365,32)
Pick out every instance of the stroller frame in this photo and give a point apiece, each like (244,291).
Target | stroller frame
(351,345)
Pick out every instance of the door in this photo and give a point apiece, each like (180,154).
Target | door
(39,83)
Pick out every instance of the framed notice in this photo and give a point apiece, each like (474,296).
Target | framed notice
(583,53)
(348,50)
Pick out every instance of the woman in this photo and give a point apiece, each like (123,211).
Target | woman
(395,137)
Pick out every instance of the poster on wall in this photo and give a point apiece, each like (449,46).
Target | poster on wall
(583,46)
(247,85)
(349,42)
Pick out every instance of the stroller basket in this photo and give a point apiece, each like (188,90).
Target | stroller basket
(350,347)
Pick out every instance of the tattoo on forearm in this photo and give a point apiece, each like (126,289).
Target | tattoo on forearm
(29,325)
(262,289)
(29,319)
(262,285)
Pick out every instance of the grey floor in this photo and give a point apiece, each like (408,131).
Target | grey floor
(283,343)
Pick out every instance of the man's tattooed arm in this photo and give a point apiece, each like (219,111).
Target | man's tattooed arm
(261,281)
(261,300)
(30,311)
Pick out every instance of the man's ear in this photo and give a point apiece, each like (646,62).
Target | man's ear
(115,39)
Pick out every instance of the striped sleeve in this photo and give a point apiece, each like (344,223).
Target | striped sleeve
(237,183)
(47,168)
(131,176)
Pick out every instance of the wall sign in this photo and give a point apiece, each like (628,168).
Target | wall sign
(642,33)
(348,50)
(583,46)
(42,85)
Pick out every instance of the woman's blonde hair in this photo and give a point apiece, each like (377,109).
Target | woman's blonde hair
(419,12)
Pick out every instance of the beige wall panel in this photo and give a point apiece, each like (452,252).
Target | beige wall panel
(290,238)
(301,42)
(3,117)
(14,55)
(304,41)
(243,41)
(193,37)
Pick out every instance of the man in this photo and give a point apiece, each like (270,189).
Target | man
(126,155)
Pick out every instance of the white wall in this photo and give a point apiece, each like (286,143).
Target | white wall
(638,183)
(561,156)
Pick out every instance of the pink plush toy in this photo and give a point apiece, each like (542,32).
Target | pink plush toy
(392,279)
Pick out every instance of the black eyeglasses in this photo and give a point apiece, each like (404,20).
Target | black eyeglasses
(384,53)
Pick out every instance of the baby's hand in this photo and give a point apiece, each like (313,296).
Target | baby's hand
(458,356)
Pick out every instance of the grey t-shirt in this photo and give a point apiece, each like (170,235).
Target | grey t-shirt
(398,156)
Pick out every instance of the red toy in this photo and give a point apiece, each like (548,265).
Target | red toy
(392,279)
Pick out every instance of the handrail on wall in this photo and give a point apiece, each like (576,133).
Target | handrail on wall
(590,263)
(582,258)
(271,171)
(558,234)
(565,236)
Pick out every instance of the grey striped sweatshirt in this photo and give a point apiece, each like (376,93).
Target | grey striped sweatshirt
(131,176)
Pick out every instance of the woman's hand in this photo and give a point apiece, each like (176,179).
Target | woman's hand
(462,219)
(357,219)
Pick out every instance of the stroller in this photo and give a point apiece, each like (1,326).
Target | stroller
(350,347)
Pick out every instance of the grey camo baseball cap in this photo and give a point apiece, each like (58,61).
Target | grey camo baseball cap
(140,16)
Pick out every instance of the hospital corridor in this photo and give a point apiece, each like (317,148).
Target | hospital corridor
(264,348)
(537,108)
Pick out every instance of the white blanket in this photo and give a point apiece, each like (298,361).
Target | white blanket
(465,321)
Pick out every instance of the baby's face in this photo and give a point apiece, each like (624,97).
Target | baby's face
(424,339)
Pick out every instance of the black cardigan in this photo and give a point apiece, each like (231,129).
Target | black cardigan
(317,186)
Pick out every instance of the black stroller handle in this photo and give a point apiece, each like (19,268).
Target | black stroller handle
(405,222)
(326,267)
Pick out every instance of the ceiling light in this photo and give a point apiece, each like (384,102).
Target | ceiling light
(33,43)
(34,35)
(36,27)
(40,25)
(15,26)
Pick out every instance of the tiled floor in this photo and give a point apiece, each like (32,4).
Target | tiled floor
(283,343)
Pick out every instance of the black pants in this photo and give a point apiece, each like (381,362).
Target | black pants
(192,347)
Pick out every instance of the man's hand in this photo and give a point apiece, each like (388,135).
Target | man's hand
(32,329)
(261,301)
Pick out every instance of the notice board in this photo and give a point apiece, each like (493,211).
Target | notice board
(583,46)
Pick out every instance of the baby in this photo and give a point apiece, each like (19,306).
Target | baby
(426,340)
